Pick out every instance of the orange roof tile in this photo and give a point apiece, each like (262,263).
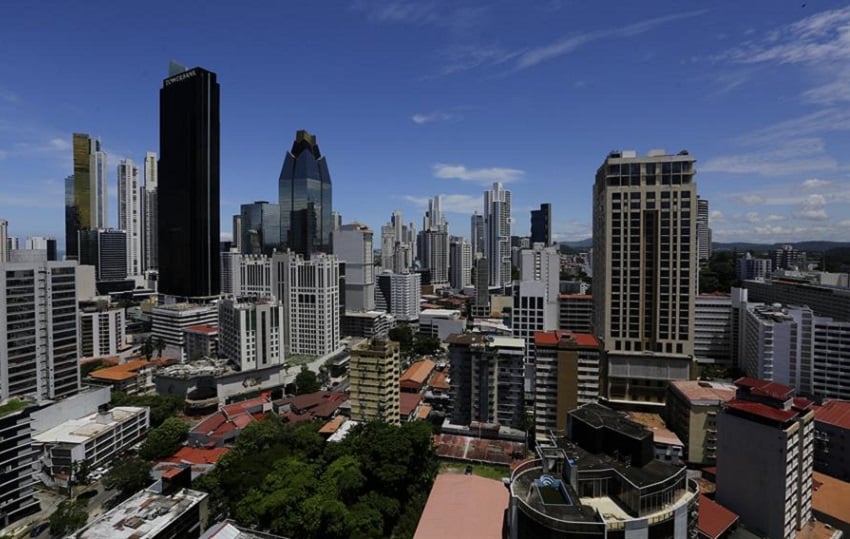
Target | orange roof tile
(834,412)
(197,455)
(333,425)
(552,338)
(202,328)
(408,403)
(418,373)
(120,372)
(830,496)
(714,519)
(440,381)
(424,412)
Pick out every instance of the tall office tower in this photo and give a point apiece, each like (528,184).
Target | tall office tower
(188,191)
(575,313)
(106,250)
(237,232)
(433,242)
(42,243)
(765,440)
(309,290)
(151,241)
(85,191)
(566,376)
(247,275)
(476,234)
(101,332)
(644,275)
(397,245)
(336,221)
(259,228)
(541,225)
(481,280)
(352,244)
(39,346)
(251,332)
(535,301)
(305,198)
(4,240)
(130,214)
(374,371)
(497,235)
(703,230)
(399,295)
(487,379)
(388,246)
(748,267)
(229,261)
(460,262)
(713,329)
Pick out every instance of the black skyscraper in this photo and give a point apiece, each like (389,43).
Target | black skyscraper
(188,192)
(305,198)
(541,225)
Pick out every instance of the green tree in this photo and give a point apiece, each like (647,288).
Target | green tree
(165,439)
(403,335)
(159,344)
(147,349)
(425,345)
(128,476)
(161,406)
(70,516)
(82,471)
(306,382)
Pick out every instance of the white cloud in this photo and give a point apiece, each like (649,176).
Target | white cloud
(814,183)
(484,176)
(455,203)
(426,118)
(789,158)
(773,217)
(717,216)
(225,236)
(813,208)
(749,199)
(60,144)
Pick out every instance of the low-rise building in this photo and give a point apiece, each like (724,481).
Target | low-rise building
(440,323)
(201,341)
(224,426)
(96,438)
(416,376)
(832,439)
(830,497)
(132,377)
(169,321)
(367,324)
(691,413)
(102,331)
(310,406)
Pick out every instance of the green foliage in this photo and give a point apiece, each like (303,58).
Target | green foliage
(82,471)
(285,479)
(306,381)
(164,440)
(69,517)
(718,274)
(411,344)
(425,345)
(162,406)
(836,259)
(89,366)
(147,349)
(129,476)
(403,335)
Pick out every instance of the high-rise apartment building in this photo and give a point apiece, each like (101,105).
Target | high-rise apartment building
(188,184)
(39,339)
(42,243)
(251,332)
(17,461)
(130,216)
(477,235)
(85,191)
(575,313)
(433,242)
(309,290)
(246,275)
(169,321)
(765,445)
(352,244)
(787,257)
(397,245)
(101,331)
(106,250)
(374,372)
(703,231)
(487,382)
(305,198)
(748,267)
(644,272)
(399,294)
(535,301)
(481,278)
(566,376)
(691,412)
(460,262)
(259,228)
(713,329)
(541,225)
(497,235)
(149,204)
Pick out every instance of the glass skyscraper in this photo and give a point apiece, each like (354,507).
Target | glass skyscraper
(85,191)
(305,198)
(188,190)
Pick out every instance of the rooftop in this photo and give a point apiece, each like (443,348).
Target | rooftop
(144,515)
(576,296)
(554,338)
(197,455)
(121,372)
(77,431)
(704,393)
(465,506)
(202,328)
(417,374)
(408,403)
(12,405)
(834,412)
(450,313)
(830,496)
(598,416)
(817,530)
(765,388)
(776,415)
(440,380)
(230,530)
(714,519)
(660,433)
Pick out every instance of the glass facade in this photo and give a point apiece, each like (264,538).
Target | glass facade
(305,198)
(259,228)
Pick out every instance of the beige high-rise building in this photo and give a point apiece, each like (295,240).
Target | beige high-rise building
(644,273)
(374,374)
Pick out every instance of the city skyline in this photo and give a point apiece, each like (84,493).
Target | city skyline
(758,94)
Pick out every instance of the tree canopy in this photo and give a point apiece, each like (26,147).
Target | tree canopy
(70,516)
(165,439)
(718,274)
(306,381)
(128,476)
(162,406)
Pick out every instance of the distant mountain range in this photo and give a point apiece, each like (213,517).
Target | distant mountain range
(808,246)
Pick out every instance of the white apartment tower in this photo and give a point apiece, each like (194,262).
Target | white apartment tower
(644,270)
(151,245)
(353,245)
(309,291)
(497,235)
(251,332)
(39,331)
(102,332)
(130,215)
(399,294)
(703,230)
(460,262)
(536,295)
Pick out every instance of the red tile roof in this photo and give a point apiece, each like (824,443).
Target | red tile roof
(835,412)
(321,404)
(552,338)
(408,403)
(765,388)
(830,496)
(714,519)
(440,381)
(203,328)
(197,455)
(762,410)
(246,406)
(119,373)
(417,374)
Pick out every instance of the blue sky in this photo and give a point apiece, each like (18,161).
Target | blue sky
(414,99)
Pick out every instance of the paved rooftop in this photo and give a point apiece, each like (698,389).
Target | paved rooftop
(465,506)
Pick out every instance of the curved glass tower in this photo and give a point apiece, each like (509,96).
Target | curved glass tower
(305,198)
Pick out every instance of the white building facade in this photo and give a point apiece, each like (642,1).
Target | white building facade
(251,332)
(130,215)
